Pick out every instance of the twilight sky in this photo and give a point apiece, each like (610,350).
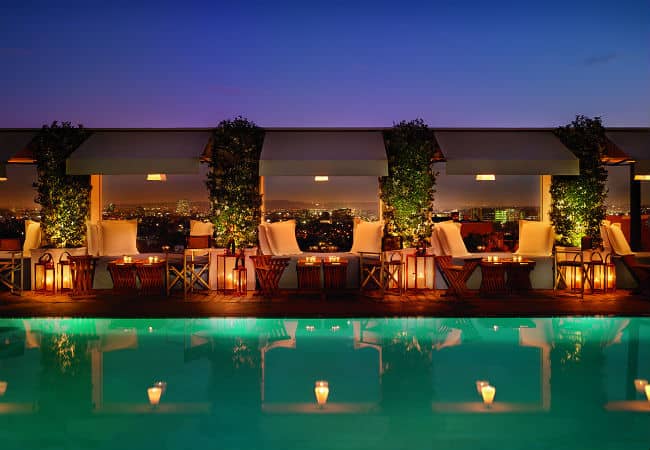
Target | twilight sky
(470,63)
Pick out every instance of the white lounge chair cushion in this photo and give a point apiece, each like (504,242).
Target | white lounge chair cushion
(436,245)
(262,236)
(33,237)
(535,238)
(366,236)
(451,239)
(198,228)
(619,244)
(92,238)
(118,237)
(604,225)
(282,238)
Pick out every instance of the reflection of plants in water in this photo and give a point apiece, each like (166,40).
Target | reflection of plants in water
(64,348)
(570,350)
(404,349)
(244,354)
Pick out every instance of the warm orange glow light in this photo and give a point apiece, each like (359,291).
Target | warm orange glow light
(488,392)
(3,388)
(485,177)
(154,393)
(640,384)
(322,391)
(156,177)
(480,384)
(321,178)
(641,177)
(647,391)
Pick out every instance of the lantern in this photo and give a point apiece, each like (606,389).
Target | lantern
(239,278)
(322,391)
(65,274)
(44,274)
(420,272)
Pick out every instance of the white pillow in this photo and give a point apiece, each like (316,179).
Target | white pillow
(604,225)
(535,238)
(118,237)
(366,236)
(618,241)
(282,238)
(262,237)
(92,238)
(436,245)
(198,228)
(451,239)
(33,237)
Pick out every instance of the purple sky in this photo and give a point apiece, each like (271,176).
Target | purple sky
(468,63)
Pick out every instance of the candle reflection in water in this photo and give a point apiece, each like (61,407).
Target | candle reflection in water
(322,391)
(487,392)
(640,384)
(480,384)
(647,391)
(154,393)
(3,388)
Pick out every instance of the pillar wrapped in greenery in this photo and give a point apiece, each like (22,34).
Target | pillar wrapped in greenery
(578,202)
(233,181)
(407,191)
(64,199)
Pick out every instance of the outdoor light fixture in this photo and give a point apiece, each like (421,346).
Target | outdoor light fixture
(322,391)
(156,177)
(3,388)
(321,178)
(64,272)
(640,384)
(641,177)
(154,393)
(3,178)
(487,392)
(485,177)
(45,274)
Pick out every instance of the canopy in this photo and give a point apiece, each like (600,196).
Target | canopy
(332,153)
(500,152)
(636,144)
(126,152)
(11,142)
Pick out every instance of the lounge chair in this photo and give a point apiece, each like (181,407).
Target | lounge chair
(614,240)
(456,276)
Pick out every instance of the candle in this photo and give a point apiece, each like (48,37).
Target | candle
(322,391)
(154,393)
(488,392)
(150,259)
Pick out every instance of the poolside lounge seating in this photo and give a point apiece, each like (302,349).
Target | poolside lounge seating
(456,276)
(268,271)
(632,269)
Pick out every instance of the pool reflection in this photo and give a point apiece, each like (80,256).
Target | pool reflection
(379,382)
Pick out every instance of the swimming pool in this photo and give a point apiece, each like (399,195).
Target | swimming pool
(411,383)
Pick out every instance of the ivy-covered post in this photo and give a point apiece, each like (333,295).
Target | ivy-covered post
(233,181)
(407,192)
(64,199)
(578,202)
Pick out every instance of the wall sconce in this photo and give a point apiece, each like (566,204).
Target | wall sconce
(639,385)
(45,274)
(485,177)
(154,393)
(3,388)
(322,391)
(641,177)
(156,177)
(65,273)
(488,392)
(321,178)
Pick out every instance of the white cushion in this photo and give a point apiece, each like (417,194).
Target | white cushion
(535,238)
(262,237)
(620,246)
(92,238)
(604,225)
(118,237)
(33,237)
(436,245)
(198,228)
(451,240)
(282,238)
(366,236)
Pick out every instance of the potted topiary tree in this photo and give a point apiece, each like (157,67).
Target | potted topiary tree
(64,199)
(578,202)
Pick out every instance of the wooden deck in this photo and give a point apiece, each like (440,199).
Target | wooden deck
(349,304)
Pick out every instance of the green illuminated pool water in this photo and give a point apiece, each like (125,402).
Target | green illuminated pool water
(393,383)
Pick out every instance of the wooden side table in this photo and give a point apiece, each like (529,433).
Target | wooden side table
(123,275)
(82,271)
(335,275)
(493,278)
(308,274)
(519,275)
(152,277)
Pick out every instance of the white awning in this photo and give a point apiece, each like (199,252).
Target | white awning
(636,144)
(12,142)
(332,153)
(127,152)
(515,152)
